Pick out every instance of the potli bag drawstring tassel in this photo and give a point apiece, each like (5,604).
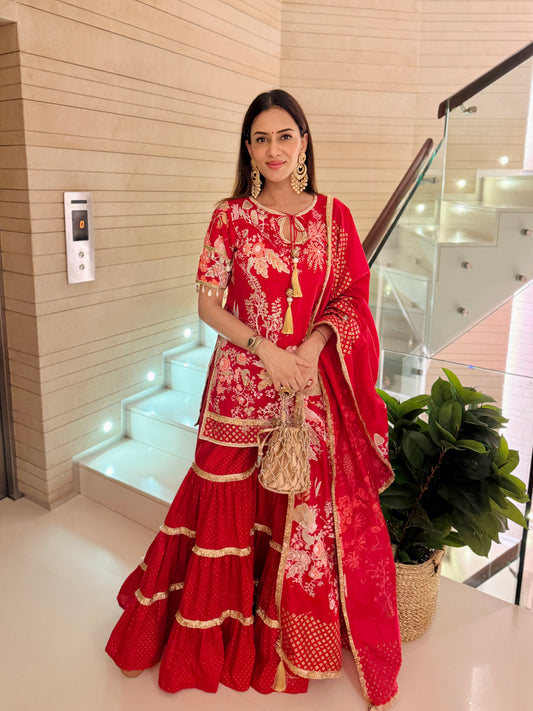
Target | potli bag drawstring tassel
(285,467)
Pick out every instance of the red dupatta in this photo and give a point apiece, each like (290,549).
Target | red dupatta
(358,440)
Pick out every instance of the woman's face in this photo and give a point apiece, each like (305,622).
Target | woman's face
(275,143)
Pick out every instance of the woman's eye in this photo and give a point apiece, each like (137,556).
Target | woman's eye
(286,136)
(261,139)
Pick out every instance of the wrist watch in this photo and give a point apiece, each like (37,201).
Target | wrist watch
(253,342)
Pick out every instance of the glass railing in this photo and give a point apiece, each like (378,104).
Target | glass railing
(465,226)
(402,277)
(507,572)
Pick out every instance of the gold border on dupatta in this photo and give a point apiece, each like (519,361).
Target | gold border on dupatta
(342,586)
(338,542)
(284,554)
(312,325)
(361,420)
(307,674)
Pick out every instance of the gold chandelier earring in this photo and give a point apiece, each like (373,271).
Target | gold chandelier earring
(256,179)
(299,178)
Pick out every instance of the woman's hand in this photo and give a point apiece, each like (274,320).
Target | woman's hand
(285,368)
(310,350)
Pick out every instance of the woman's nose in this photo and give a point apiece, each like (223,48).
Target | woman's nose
(273,147)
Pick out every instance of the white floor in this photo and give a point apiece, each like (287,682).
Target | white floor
(60,572)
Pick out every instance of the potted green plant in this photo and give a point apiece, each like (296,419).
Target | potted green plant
(453,484)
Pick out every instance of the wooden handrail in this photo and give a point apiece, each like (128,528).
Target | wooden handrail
(485,80)
(374,240)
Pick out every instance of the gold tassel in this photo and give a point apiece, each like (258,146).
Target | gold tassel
(295,282)
(280,680)
(288,326)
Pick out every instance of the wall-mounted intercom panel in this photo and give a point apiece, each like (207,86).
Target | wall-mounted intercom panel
(79,237)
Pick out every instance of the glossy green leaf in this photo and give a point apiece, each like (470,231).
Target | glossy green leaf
(491,524)
(417,403)
(441,391)
(397,498)
(454,539)
(511,463)
(502,453)
(512,512)
(444,434)
(471,444)
(479,542)
(450,415)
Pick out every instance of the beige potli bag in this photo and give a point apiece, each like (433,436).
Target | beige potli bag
(285,467)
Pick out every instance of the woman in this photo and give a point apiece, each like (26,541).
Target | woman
(243,585)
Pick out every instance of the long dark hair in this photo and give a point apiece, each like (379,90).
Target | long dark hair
(263,102)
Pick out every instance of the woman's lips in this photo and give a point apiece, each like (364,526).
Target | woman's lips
(275,165)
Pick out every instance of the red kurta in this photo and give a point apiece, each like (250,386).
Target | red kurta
(239,577)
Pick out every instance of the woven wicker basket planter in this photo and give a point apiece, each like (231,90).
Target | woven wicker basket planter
(417,588)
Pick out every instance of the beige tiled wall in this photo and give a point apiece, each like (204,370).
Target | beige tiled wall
(140,103)
(354,65)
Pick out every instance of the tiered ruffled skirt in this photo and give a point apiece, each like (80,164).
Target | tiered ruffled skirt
(237,580)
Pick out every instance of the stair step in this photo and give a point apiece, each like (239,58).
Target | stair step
(166,421)
(187,372)
(134,479)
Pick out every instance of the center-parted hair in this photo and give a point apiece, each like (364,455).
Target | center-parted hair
(263,102)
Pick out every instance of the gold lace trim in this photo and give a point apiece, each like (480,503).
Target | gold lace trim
(142,565)
(181,531)
(223,477)
(276,546)
(340,553)
(269,622)
(237,420)
(210,248)
(206,624)
(158,596)
(283,214)
(263,528)
(220,552)
(306,673)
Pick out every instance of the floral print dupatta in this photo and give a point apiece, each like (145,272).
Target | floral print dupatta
(348,367)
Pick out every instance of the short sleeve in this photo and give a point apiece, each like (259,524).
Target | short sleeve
(214,268)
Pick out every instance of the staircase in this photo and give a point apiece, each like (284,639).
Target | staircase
(138,473)
(450,261)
